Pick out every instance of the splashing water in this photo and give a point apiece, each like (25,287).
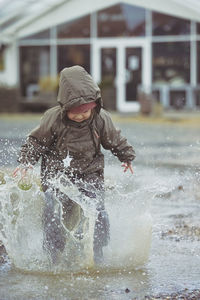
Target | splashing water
(22,229)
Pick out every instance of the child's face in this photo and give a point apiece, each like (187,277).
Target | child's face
(79,117)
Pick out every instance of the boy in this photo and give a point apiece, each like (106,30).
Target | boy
(77,128)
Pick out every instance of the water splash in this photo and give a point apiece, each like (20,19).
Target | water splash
(22,229)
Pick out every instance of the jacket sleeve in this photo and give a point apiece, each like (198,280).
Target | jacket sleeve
(38,141)
(111,139)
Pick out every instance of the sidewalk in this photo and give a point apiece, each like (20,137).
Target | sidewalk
(191,118)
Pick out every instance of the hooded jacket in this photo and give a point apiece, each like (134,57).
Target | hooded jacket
(58,137)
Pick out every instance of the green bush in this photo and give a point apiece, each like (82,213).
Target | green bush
(108,92)
(107,82)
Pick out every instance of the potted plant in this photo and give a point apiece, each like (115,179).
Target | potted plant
(108,92)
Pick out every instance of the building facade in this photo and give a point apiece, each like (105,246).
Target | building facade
(128,49)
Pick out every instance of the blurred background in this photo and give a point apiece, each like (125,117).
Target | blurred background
(145,56)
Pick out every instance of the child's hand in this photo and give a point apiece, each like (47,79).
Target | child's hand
(127,166)
(22,170)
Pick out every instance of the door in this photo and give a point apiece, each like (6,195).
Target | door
(108,77)
(118,66)
(130,77)
(133,67)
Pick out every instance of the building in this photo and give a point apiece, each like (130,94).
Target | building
(130,47)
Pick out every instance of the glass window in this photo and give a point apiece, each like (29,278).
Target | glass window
(71,55)
(108,67)
(79,28)
(171,63)
(197,97)
(40,35)
(108,77)
(133,72)
(198,28)
(121,20)
(198,62)
(34,65)
(168,25)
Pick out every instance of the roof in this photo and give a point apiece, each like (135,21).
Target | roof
(15,14)
(19,18)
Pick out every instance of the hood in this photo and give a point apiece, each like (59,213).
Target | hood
(77,87)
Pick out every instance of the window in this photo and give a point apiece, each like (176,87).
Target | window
(168,25)
(121,20)
(108,67)
(198,62)
(79,28)
(133,72)
(198,28)
(2,63)
(35,64)
(197,97)
(108,77)
(171,63)
(71,55)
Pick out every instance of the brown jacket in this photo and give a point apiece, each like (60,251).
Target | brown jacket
(57,136)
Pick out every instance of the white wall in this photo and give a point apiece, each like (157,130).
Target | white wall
(10,75)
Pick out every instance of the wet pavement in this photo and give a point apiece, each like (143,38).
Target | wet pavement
(167,173)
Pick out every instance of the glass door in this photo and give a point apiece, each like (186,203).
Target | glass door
(123,68)
(130,76)
(108,77)
(133,67)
